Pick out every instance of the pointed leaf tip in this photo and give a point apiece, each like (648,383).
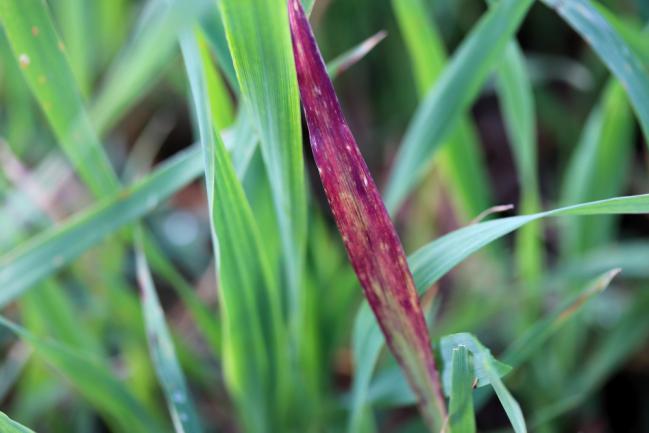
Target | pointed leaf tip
(369,236)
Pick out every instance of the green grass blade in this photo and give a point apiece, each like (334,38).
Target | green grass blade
(206,322)
(266,74)
(140,62)
(517,104)
(254,341)
(7,425)
(49,251)
(183,413)
(366,345)
(456,88)
(74,21)
(40,53)
(511,406)
(461,414)
(437,258)
(460,154)
(625,337)
(524,347)
(93,381)
(611,48)
(596,169)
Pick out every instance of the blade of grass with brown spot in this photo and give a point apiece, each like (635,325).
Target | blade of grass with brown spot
(370,239)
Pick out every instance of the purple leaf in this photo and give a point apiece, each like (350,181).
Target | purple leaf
(369,236)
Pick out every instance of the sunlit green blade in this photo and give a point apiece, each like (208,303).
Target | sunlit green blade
(623,62)
(517,105)
(455,90)
(266,74)
(93,381)
(40,54)
(7,425)
(461,416)
(597,168)
(254,340)
(51,250)
(163,354)
(460,153)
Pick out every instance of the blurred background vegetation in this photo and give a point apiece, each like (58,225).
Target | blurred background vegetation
(593,376)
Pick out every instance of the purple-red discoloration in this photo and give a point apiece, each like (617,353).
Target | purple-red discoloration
(372,244)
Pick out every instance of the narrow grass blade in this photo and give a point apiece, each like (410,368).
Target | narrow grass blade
(438,257)
(254,339)
(347,59)
(7,425)
(139,64)
(456,88)
(206,322)
(511,406)
(94,382)
(461,414)
(517,104)
(460,153)
(587,20)
(75,23)
(366,346)
(41,55)
(371,241)
(596,169)
(163,354)
(51,250)
(522,349)
(627,336)
(266,75)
